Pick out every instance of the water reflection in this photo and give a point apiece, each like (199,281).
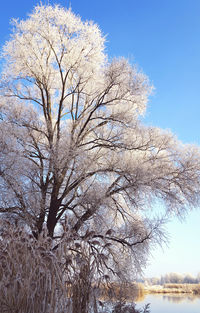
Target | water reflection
(140,296)
(171,303)
(177,298)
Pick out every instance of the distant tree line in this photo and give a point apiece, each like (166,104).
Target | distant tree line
(174,278)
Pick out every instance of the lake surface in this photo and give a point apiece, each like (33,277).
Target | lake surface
(171,303)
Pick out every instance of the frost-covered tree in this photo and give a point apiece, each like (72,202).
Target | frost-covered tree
(73,149)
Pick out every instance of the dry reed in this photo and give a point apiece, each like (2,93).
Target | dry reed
(31,279)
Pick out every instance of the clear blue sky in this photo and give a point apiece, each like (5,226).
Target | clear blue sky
(163,38)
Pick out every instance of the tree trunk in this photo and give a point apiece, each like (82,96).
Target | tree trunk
(52,220)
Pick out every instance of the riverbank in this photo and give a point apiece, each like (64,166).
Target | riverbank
(173,288)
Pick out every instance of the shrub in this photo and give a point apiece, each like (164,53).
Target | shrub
(122,307)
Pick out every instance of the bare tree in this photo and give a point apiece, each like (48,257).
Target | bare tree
(73,147)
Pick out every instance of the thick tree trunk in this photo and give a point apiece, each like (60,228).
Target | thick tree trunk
(52,220)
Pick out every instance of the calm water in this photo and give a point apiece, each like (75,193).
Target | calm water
(171,303)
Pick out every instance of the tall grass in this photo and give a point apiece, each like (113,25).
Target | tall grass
(37,278)
(122,290)
(31,278)
(175,288)
(184,288)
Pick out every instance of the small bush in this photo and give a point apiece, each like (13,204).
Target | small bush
(122,307)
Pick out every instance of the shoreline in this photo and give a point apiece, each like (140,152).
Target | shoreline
(173,288)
